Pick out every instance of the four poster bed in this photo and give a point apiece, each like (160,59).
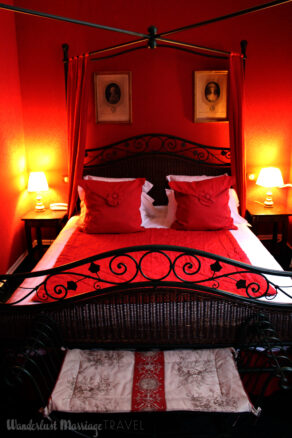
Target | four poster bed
(153,327)
(147,303)
(107,279)
(158,257)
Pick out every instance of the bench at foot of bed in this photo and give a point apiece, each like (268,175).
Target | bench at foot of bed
(82,386)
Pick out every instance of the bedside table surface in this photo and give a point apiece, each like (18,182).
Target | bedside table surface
(42,219)
(256,209)
(44,215)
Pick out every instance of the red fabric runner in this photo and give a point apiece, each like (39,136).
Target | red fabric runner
(155,265)
(148,382)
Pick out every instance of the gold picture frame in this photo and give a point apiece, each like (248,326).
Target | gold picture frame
(210,96)
(113,97)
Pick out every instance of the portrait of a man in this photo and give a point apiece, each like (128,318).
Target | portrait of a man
(113,93)
(113,97)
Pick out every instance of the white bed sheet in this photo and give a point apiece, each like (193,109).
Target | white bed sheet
(250,244)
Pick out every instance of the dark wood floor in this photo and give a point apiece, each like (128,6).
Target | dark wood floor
(30,261)
(282,255)
(274,422)
(26,266)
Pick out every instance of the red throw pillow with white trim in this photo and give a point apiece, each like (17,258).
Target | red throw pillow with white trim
(112,207)
(203,205)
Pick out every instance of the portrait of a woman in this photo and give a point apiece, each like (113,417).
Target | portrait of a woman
(212,91)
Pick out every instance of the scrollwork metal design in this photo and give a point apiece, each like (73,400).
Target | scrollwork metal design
(121,267)
(152,265)
(188,267)
(162,276)
(158,143)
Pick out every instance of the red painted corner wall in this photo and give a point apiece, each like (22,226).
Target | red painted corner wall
(13,200)
(162,89)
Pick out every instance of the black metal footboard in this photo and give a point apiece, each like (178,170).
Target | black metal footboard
(114,298)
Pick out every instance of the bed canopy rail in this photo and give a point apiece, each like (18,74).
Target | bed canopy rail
(68,20)
(152,37)
(211,53)
(123,48)
(226,17)
(113,51)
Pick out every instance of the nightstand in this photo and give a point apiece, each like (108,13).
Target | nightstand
(278,217)
(42,219)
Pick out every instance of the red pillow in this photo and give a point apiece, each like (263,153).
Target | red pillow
(112,207)
(203,205)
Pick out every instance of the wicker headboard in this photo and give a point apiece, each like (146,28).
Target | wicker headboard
(154,156)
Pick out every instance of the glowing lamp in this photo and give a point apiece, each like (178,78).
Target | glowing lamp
(270,177)
(37,182)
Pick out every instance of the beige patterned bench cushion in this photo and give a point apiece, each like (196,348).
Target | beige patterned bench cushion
(125,381)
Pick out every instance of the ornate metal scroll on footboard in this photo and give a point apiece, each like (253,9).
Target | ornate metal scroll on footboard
(152,293)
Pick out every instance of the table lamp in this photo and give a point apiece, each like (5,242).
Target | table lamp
(270,177)
(37,182)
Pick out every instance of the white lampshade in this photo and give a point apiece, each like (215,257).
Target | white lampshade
(270,177)
(37,182)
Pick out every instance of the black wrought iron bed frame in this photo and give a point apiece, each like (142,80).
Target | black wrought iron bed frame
(154,312)
(184,311)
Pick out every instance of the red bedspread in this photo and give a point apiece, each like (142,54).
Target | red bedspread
(99,274)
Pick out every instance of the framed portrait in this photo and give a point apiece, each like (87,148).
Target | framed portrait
(210,96)
(113,97)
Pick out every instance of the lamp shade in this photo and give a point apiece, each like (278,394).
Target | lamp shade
(37,182)
(270,177)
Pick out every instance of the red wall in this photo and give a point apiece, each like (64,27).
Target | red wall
(162,79)
(13,199)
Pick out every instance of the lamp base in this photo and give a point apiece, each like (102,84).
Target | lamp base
(269,200)
(39,206)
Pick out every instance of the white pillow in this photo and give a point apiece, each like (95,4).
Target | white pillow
(147,186)
(190,178)
(233,198)
(147,208)
(171,207)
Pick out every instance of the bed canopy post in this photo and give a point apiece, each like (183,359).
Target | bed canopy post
(65,48)
(243,45)
(152,44)
(236,126)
